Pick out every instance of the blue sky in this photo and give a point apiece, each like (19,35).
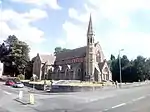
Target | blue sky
(45,24)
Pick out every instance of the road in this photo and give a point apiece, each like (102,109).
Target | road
(135,99)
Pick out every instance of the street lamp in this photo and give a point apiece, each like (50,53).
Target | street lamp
(120,66)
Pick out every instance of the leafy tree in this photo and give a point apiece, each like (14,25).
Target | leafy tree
(132,70)
(28,70)
(59,50)
(19,56)
(147,69)
(112,57)
(4,51)
(140,67)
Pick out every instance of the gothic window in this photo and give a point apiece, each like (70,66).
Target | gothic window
(106,69)
(104,78)
(58,74)
(107,73)
(107,76)
(67,73)
(91,40)
(50,73)
(78,73)
(98,57)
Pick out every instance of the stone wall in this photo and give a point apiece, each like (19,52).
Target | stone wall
(63,88)
(36,86)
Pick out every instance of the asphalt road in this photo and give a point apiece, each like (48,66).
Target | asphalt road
(135,99)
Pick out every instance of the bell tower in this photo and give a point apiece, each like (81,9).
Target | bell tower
(90,59)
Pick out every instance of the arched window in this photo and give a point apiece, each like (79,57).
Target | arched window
(78,74)
(107,73)
(67,74)
(88,40)
(49,76)
(58,74)
(91,40)
(79,71)
(98,57)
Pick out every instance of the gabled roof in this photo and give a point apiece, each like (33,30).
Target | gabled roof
(78,52)
(50,59)
(101,65)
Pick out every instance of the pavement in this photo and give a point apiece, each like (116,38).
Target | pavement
(133,99)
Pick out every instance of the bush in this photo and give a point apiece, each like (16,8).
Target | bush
(36,78)
(21,77)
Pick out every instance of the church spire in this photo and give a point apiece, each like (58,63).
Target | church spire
(90,28)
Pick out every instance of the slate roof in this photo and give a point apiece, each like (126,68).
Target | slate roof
(101,65)
(50,59)
(78,52)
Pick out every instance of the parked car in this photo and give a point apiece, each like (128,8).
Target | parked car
(18,85)
(10,82)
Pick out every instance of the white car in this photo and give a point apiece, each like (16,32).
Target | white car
(18,85)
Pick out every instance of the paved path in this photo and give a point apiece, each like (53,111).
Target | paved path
(135,99)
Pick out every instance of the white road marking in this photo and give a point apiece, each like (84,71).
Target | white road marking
(138,98)
(100,98)
(122,104)
(105,110)
(118,105)
(7,92)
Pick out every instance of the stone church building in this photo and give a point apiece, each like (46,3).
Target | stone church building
(85,63)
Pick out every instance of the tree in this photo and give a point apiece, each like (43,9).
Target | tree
(140,66)
(19,56)
(29,70)
(59,50)
(132,70)
(112,57)
(127,69)
(147,68)
(4,51)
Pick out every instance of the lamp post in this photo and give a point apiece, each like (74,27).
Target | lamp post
(120,66)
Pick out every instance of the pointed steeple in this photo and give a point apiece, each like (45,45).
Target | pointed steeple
(90,27)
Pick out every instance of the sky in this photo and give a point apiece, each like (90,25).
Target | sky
(46,24)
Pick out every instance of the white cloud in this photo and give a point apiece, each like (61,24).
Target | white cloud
(116,11)
(19,24)
(75,35)
(75,15)
(35,14)
(34,52)
(51,3)
(22,27)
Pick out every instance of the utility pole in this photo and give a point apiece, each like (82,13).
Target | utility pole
(120,67)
